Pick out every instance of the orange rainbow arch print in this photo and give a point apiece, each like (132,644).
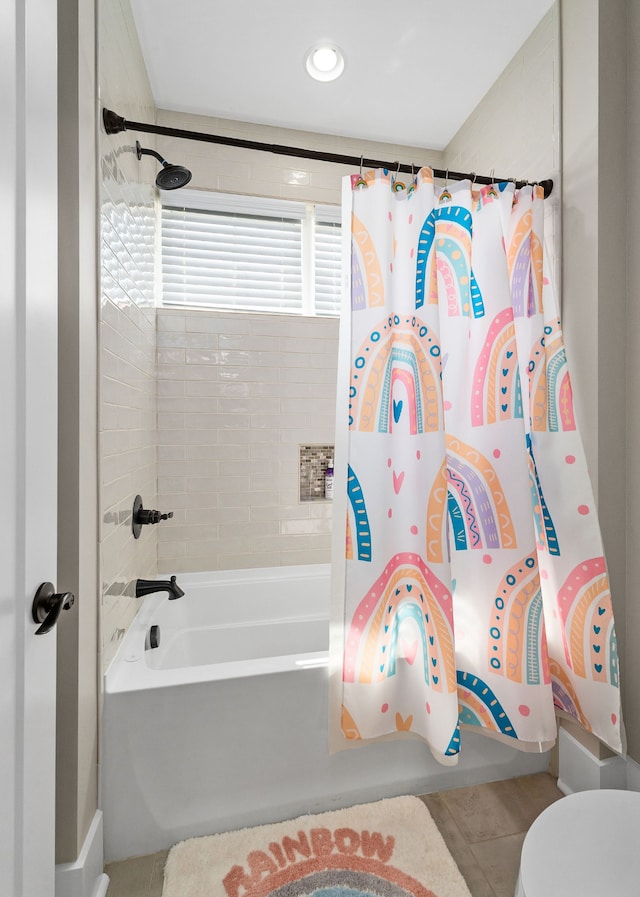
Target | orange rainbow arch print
(478,510)
(396,379)
(517,646)
(437,544)
(525,261)
(407,595)
(367,285)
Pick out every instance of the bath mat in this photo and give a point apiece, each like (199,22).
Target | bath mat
(391,848)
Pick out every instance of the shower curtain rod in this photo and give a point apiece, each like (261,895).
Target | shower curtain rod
(114,124)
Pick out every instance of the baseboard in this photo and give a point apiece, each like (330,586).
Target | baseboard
(580,770)
(85,877)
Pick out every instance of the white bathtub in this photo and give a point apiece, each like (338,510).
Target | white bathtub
(224,725)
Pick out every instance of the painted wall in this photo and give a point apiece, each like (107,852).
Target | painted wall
(631,185)
(77,681)
(595,246)
(515,128)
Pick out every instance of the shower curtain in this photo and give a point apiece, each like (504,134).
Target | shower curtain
(473,590)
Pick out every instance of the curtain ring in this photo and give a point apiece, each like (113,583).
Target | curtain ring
(473,179)
(492,186)
(360,182)
(396,183)
(446,179)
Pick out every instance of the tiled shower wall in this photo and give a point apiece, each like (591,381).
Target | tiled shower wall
(237,394)
(127,329)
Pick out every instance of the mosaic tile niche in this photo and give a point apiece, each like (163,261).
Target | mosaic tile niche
(312,466)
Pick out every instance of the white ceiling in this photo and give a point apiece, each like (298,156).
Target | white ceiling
(415,69)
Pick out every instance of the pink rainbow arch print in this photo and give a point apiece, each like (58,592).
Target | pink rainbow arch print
(408,591)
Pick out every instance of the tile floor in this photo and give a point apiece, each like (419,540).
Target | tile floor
(483,825)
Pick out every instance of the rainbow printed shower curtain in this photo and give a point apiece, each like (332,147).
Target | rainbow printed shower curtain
(474,590)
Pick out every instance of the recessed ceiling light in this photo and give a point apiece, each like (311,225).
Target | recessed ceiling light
(324,62)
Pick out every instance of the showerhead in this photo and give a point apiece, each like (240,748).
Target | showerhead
(170,177)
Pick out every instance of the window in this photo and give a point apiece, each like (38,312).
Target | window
(249,253)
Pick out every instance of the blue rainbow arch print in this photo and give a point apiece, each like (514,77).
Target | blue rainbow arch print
(444,250)
(408,597)
(367,284)
(588,632)
(496,393)
(479,706)
(396,379)
(517,646)
(454,744)
(478,511)
(545,529)
(550,392)
(357,518)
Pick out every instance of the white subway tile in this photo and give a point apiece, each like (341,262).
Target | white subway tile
(212,322)
(311,525)
(245,467)
(248,561)
(204,356)
(208,516)
(170,388)
(217,452)
(201,387)
(247,343)
(218,484)
(171,421)
(170,321)
(172,339)
(171,356)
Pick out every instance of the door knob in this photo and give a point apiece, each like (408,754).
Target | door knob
(48,605)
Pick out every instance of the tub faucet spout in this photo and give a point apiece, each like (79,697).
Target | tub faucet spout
(148,586)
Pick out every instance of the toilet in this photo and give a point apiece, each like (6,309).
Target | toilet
(584,845)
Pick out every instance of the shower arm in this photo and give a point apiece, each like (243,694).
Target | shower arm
(142,151)
(115,124)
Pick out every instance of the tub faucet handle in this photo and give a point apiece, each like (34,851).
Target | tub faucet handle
(142,517)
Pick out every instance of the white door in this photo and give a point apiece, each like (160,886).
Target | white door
(28,434)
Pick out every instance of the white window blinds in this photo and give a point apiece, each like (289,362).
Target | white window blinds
(327,263)
(239,252)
